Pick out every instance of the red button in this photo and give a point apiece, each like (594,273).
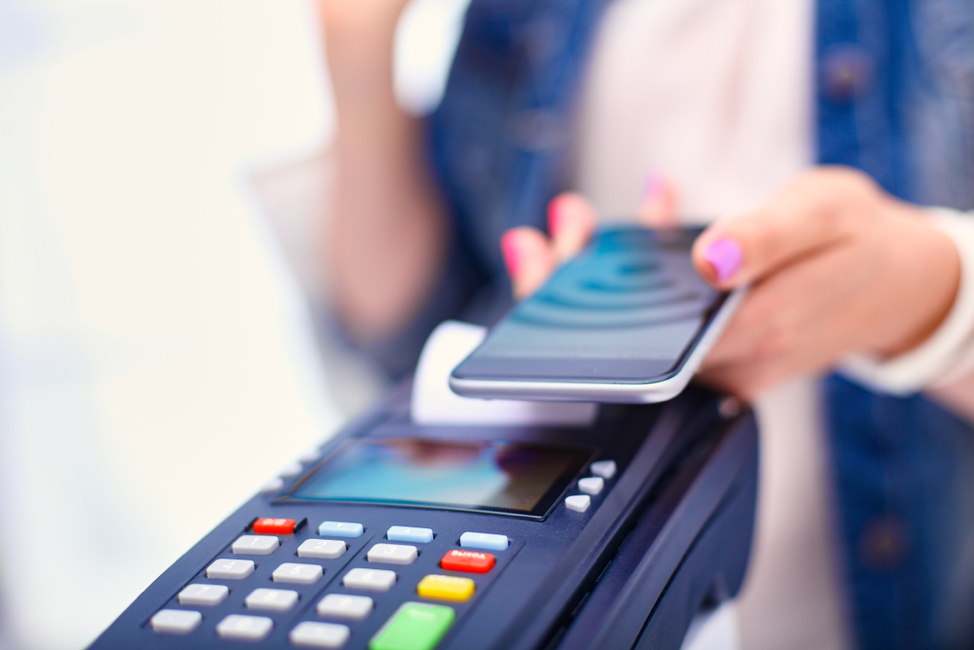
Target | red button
(469,561)
(270,526)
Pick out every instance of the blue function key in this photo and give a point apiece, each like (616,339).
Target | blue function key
(410,534)
(340,529)
(486,541)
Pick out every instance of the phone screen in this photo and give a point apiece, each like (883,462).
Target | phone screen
(627,309)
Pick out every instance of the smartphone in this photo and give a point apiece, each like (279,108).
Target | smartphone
(626,320)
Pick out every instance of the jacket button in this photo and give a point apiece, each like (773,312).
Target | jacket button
(847,72)
(883,544)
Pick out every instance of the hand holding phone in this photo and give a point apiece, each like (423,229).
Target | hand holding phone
(627,320)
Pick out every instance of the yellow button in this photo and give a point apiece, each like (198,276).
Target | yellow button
(446,588)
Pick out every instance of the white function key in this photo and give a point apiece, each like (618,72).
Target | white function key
(273,485)
(342,606)
(203,595)
(255,545)
(578,502)
(370,579)
(591,485)
(604,468)
(310,634)
(275,600)
(298,574)
(327,549)
(224,569)
(392,554)
(244,628)
(291,470)
(175,621)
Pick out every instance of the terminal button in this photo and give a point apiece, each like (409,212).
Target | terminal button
(298,574)
(175,621)
(392,554)
(273,485)
(224,569)
(484,540)
(291,470)
(342,606)
(591,485)
(467,561)
(208,595)
(310,634)
(604,468)
(414,626)
(276,600)
(244,628)
(370,579)
(446,588)
(255,545)
(326,549)
(410,534)
(578,502)
(340,529)
(271,526)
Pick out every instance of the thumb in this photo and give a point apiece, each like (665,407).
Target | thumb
(740,250)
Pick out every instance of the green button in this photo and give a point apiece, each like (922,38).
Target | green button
(414,626)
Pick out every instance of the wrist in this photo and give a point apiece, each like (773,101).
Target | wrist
(926,281)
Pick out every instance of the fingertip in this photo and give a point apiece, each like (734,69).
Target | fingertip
(659,201)
(718,258)
(510,251)
(529,258)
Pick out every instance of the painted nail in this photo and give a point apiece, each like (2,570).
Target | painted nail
(555,212)
(654,187)
(510,252)
(725,255)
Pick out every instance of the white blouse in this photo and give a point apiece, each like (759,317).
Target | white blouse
(716,94)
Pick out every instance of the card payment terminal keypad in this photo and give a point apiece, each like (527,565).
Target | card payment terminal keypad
(322,579)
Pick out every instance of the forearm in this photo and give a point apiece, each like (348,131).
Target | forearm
(386,237)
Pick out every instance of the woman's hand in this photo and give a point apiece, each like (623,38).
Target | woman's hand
(836,267)
(386,232)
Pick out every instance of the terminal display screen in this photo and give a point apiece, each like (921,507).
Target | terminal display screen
(486,475)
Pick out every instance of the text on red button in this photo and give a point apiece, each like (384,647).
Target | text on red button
(272,526)
(469,561)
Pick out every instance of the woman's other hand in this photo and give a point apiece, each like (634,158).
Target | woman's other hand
(837,267)
(531,256)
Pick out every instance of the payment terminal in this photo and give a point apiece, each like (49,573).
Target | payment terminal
(403,536)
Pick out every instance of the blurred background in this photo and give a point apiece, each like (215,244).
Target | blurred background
(162,172)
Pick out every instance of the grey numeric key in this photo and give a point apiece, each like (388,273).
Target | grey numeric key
(392,554)
(344,606)
(208,595)
(326,549)
(299,574)
(255,545)
(175,621)
(225,569)
(275,600)
(244,628)
(370,579)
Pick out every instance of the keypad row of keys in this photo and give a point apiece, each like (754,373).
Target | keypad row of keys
(342,606)
(414,626)
(288,572)
(603,470)
(455,560)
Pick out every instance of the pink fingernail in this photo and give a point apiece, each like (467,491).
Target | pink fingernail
(654,187)
(555,210)
(725,255)
(510,252)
